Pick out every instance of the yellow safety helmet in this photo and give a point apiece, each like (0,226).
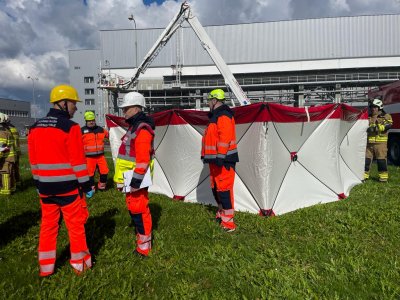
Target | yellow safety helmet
(63,92)
(89,116)
(217,94)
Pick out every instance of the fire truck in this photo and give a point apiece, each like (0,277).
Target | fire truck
(390,95)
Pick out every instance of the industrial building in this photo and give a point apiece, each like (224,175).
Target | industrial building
(19,113)
(297,62)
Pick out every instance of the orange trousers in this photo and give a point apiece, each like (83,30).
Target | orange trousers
(75,215)
(138,206)
(98,161)
(222,181)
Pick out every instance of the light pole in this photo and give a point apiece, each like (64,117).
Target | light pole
(33,92)
(131,18)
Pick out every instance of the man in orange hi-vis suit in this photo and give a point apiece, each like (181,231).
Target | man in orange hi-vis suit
(93,143)
(219,150)
(136,153)
(59,171)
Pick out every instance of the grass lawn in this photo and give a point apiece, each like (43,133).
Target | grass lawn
(349,249)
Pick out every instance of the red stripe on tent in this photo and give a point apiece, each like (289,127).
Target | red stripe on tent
(115,121)
(351,114)
(341,196)
(266,213)
(179,198)
(258,112)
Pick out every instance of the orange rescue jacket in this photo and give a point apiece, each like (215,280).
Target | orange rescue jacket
(56,156)
(93,140)
(219,139)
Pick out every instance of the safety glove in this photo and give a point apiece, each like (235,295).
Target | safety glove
(90,194)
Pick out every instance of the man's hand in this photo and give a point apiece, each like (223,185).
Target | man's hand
(219,162)
(381,127)
(133,190)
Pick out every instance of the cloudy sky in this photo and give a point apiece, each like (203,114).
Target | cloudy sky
(35,35)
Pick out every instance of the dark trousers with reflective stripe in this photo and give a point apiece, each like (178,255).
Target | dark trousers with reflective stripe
(75,215)
(138,206)
(222,181)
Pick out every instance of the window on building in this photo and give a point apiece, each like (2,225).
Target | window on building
(88,79)
(77,68)
(89,101)
(89,91)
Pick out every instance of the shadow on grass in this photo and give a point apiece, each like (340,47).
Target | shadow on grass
(17,226)
(212,209)
(26,183)
(155,211)
(98,229)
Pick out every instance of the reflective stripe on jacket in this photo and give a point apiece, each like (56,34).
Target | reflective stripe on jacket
(135,153)
(15,134)
(55,149)
(7,146)
(219,139)
(93,140)
(375,134)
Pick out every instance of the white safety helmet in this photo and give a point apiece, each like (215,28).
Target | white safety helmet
(133,98)
(378,103)
(2,118)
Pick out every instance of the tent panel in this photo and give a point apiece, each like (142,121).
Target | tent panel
(349,178)
(279,160)
(159,135)
(300,190)
(254,161)
(294,135)
(179,157)
(320,154)
(202,194)
(115,135)
(160,182)
(352,148)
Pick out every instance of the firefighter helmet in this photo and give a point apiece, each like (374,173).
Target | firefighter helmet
(133,99)
(378,103)
(63,92)
(89,116)
(217,94)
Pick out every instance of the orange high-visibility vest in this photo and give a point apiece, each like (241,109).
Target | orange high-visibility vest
(93,140)
(219,139)
(56,155)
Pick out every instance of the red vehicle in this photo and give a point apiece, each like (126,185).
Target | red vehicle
(390,95)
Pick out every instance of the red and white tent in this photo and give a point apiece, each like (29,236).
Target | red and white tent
(290,158)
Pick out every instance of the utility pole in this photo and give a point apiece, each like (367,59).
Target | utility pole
(33,93)
(131,18)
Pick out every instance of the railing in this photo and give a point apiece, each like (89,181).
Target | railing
(296,79)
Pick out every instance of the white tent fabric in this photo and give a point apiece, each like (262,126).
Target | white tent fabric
(290,158)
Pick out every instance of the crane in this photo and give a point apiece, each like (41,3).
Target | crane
(186,14)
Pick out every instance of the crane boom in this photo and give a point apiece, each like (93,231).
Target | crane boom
(186,14)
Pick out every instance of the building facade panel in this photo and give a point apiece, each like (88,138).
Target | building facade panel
(84,67)
(310,39)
